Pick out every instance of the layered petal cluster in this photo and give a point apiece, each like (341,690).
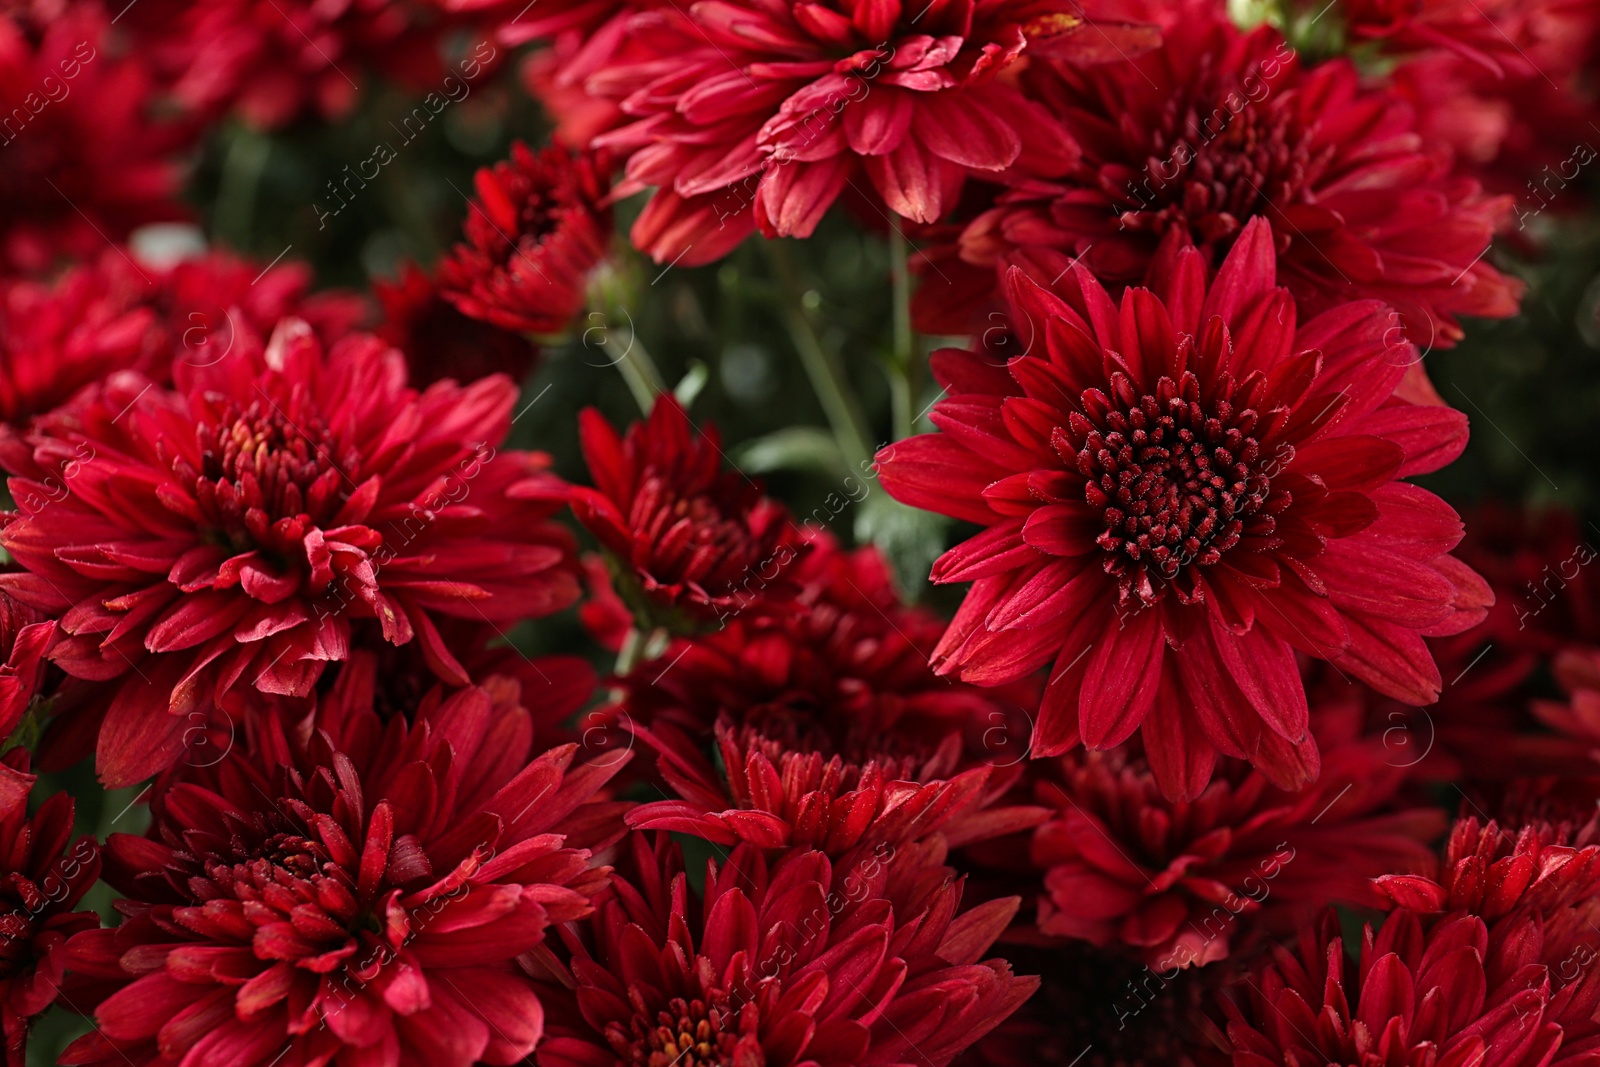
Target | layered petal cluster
(838,666)
(1180,494)
(1218,127)
(439,341)
(1188,882)
(789,962)
(113,313)
(774,792)
(749,113)
(230,533)
(540,225)
(346,891)
(1448,995)
(25,636)
(84,162)
(41,882)
(688,541)
(274,61)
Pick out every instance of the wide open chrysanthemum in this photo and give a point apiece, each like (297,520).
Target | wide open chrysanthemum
(1218,127)
(228,533)
(788,962)
(1182,493)
(346,890)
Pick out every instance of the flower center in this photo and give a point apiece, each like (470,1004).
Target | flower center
(1215,161)
(685,1033)
(260,469)
(1179,484)
(694,540)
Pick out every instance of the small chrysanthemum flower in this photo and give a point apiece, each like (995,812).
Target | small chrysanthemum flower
(1186,883)
(228,533)
(439,341)
(84,162)
(788,962)
(41,882)
(1179,496)
(1218,127)
(536,231)
(346,891)
(685,537)
(1414,997)
(746,115)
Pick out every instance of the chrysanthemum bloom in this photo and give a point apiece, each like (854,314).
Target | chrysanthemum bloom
(113,313)
(749,114)
(1444,996)
(41,881)
(1218,127)
(229,532)
(273,61)
(1577,670)
(536,231)
(83,162)
(1502,36)
(25,636)
(1179,496)
(776,792)
(790,962)
(690,542)
(441,342)
(1186,883)
(355,896)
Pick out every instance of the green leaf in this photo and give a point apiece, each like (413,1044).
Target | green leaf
(792,448)
(909,538)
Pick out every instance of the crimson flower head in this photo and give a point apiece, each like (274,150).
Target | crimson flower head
(749,114)
(84,163)
(25,636)
(346,890)
(1218,127)
(439,341)
(536,231)
(1500,36)
(1189,882)
(227,534)
(688,540)
(41,882)
(1181,493)
(784,962)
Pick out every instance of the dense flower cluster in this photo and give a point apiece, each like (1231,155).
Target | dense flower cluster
(376,690)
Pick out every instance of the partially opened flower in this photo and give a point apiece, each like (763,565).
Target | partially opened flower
(1218,127)
(690,542)
(536,231)
(1414,997)
(788,962)
(750,115)
(228,533)
(439,341)
(84,162)
(347,891)
(41,882)
(1189,882)
(1181,494)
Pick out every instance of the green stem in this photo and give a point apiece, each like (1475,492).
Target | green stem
(821,363)
(630,356)
(904,379)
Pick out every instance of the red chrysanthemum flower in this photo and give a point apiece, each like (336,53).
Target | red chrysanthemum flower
(439,341)
(1449,996)
(351,897)
(1500,35)
(751,114)
(229,532)
(83,162)
(273,61)
(788,962)
(1179,496)
(113,313)
(690,542)
(1219,127)
(536,231)
(40,883)
(1181,883)
(25,636)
